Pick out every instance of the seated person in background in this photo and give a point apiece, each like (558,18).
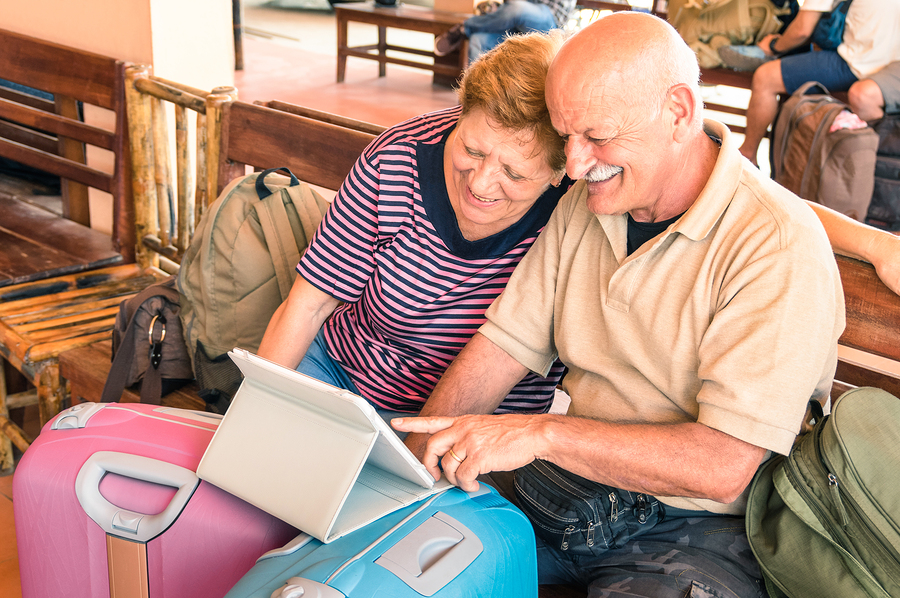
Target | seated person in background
(878,94)
(795,36)
(499,21)
(871,41)
(697,305)
(424,234)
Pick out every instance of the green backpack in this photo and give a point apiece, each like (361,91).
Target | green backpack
(238,268)
(825,521)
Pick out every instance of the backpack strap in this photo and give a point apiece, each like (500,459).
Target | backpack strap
(277,229)
(151,386)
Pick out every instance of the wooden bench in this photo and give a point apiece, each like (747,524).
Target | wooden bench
(446,69)
(58,274)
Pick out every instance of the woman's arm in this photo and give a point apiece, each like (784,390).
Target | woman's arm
(295,323)
(861,241)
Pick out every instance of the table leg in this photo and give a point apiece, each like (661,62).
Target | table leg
(341,46)
(382,50)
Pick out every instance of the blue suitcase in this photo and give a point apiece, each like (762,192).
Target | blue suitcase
(452,544)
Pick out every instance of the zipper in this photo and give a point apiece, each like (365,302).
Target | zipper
(613,507)
(581,493)
(565,539)
(801,486)
(836,497)
(641,509)
(856,514)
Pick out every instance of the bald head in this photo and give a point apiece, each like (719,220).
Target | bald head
(630,56)
(624,94)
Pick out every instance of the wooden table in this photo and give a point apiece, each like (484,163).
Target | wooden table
(446,69)
(36,244)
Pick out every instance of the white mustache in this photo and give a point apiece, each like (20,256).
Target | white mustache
(602,172)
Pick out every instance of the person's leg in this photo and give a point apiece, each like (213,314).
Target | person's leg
(519,16)
(877,95)
(479,43)
(682,556)
(514,16)
(866,100)
(762,107)
(786,75)
(318,364)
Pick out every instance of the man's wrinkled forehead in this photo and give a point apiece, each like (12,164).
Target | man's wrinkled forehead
(576,89)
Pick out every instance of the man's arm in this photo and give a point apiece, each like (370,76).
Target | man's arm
(295,323)
(477,381)
(687,460)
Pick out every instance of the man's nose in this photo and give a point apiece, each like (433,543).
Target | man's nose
(579,158)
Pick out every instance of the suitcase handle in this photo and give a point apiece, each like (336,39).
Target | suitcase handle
(122,522)
(433,554)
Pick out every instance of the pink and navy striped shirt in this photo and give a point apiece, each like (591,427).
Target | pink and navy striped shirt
(414,289)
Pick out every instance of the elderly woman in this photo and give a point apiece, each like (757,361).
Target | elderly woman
(424,234)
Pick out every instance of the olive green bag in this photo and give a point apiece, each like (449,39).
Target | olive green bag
(239,267)
(825,521)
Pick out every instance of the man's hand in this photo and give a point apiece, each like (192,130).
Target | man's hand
(471,445)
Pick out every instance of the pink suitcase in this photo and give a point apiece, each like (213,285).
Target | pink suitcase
(107,503)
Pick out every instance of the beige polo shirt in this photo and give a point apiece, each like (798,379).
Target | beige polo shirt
(729,318)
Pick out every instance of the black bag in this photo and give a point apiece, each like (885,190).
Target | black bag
(579,516)
(829,31)
(884,211)
(148,345)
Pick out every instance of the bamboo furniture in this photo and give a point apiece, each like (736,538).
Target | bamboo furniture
(446,69)
(167,207)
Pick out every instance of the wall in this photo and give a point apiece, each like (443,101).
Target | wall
(188,41)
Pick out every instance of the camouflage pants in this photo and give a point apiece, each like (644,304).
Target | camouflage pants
(663,553)
(699,557)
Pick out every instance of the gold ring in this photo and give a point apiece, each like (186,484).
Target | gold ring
(454,455)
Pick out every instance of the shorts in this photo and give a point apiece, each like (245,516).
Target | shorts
(888,80)
(824,66)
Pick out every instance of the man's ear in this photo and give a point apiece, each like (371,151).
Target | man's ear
(682,109)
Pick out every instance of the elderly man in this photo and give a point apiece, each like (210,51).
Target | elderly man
(697,306)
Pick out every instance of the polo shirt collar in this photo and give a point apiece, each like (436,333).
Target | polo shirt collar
(700,219)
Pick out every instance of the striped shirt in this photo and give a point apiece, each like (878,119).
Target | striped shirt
(414,289)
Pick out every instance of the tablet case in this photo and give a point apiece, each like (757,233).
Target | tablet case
(315,456)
